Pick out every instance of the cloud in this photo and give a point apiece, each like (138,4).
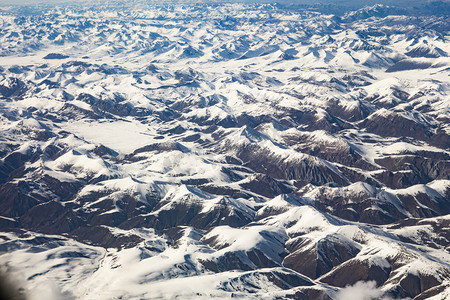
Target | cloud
(49,291)
(362,290)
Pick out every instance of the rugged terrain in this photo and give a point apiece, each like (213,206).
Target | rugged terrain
(204,150)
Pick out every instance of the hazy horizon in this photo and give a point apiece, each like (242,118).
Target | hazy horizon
(353,3)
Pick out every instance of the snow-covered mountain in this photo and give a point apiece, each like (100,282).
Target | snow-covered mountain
(224,150)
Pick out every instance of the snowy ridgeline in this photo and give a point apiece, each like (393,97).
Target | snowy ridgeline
(235,150)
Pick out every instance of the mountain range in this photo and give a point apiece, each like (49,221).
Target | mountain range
(257,151)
